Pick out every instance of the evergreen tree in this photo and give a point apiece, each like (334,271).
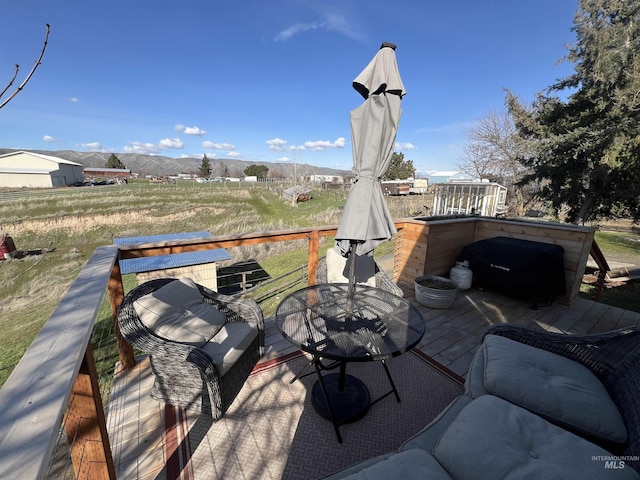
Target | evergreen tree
(114,162)
(586,143)
(259,171)
(399,168)
(205,167)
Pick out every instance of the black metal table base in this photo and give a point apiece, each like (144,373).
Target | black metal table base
(343,398)
(338,324)
(348,405)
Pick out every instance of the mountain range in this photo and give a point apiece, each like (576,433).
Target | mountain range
(164,166)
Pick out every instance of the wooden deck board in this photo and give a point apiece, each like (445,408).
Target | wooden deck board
(452,335)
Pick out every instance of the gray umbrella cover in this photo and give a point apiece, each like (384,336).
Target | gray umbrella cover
(366,219)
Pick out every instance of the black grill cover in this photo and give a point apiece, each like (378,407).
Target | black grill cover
(531,268)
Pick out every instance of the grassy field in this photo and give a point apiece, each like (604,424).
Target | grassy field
(624,248)
(60,231)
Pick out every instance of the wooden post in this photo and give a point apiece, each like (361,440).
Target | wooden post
(312,265)
(86,428)
(603,268)
(116,295)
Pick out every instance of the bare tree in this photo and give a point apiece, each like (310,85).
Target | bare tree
(295,171)
(490,146)
(28,77)
(493,151)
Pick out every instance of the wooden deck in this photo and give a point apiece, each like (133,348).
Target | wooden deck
(57,374)
(453,335)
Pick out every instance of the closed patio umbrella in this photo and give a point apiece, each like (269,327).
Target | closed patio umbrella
(366,221)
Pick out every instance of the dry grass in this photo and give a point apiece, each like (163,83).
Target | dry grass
(74,222)
(80,224)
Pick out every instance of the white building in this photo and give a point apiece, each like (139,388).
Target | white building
(319,179)
(34,170)
(468,198)
(448,176)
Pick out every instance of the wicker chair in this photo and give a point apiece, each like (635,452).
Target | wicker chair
(614,357)
(382,279)
(185,375)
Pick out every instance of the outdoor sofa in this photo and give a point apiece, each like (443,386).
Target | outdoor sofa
(202,344)
(537,405)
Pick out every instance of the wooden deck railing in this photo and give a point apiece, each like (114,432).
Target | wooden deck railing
(55,373)
(55,382)
(56,379)
(116,292)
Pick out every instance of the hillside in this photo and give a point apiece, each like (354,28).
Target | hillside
(160,165)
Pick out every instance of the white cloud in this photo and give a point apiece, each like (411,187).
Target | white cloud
(331,18)
(218,146)
(295,148)
(74,100)
(286,34)
(283,159)
(194,131)
(233,154)
(277,144)
(50,139)
(339,23)
(94,147)
(199,155)
(171,143)
(141,148)
(320,145)
(152,148)
(179,128)
(404,146)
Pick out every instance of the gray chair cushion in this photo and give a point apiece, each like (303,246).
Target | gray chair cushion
(552,386)
(407,465)
(338,268)
(178,312)
(492,438)
(474,383)
(428,437)
(228,345)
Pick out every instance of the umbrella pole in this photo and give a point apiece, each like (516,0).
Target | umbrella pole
(352,276)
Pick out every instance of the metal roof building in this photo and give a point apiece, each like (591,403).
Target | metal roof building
(107,172)
(34,170)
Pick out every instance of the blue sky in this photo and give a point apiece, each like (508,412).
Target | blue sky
(268,80)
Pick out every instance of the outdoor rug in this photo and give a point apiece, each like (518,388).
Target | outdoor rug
(271,431)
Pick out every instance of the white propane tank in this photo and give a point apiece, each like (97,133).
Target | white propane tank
(461,275)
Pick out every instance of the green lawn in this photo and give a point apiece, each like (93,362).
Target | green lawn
(622,247)
(69,224)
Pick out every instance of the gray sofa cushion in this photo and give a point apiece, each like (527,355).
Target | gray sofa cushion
(428,437)
(406,465)
(178,312)
(474,383)
(228,345)
(552,386)
(492,438)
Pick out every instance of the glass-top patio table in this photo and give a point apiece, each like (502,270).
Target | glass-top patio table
(375,325)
